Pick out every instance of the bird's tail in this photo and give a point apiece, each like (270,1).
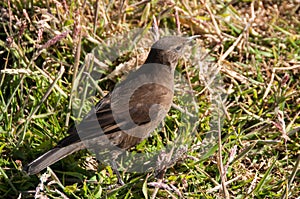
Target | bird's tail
(51,157)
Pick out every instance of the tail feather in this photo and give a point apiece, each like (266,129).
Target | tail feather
(51,157)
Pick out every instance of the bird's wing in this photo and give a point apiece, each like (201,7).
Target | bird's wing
(143,106)
(148,101)
(136,106)
(133,103)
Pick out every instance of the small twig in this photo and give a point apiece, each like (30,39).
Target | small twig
(270,84)
(220,160)
(220,186)
(76,65)
(155,29)
(214,21)
(177,22)
(96,16)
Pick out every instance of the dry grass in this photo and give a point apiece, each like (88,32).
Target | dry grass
(255,45)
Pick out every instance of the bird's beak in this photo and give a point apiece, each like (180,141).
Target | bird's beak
(191,39)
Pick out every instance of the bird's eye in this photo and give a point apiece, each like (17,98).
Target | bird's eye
(178,48)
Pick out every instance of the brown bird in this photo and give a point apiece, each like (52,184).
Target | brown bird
(128,114)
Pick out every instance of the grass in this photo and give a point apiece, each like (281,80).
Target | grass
(253,45)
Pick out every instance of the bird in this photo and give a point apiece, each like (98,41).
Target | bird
(129,113)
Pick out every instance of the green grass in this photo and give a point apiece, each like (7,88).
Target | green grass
(256,46)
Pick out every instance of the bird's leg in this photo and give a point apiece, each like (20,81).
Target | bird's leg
(116,171)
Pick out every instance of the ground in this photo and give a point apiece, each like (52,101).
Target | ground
(253,47)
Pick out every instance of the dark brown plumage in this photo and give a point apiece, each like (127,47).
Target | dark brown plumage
(129,113)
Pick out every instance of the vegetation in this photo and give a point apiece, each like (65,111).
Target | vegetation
(253,46)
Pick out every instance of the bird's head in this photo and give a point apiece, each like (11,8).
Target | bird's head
(167,50)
